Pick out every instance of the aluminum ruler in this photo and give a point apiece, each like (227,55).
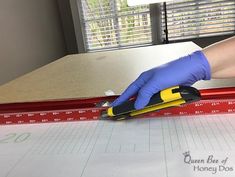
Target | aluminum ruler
(91,108)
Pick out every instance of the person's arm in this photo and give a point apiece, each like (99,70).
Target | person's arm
(215,61)
(221,57)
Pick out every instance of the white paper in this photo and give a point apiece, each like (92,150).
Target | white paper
(135,148)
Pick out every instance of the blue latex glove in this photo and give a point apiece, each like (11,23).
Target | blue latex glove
(183,71)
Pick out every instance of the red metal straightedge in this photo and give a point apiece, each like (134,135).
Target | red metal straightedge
(202,107)
(216,101)
(52,111)
(218,93)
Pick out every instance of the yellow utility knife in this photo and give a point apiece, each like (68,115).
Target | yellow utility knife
(171,97)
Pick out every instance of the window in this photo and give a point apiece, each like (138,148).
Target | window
(187,19)
(111,23)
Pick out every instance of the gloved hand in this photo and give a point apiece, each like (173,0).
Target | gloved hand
(183,71)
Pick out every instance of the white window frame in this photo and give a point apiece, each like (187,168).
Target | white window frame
(155,15)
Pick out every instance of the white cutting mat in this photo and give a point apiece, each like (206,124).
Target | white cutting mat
(196,146)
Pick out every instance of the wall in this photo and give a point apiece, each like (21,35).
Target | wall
(30,36)
(68,25)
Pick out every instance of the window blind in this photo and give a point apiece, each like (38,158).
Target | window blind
(199,18)
(112,24)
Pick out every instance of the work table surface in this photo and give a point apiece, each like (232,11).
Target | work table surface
(92,74)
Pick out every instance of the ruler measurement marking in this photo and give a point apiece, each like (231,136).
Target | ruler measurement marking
(62,141)
(206,134)
(40,146)
(213,133)
(164,149)
(189,128)
(53,139)
(196,127)
(84,138)
(219,130)
(229,133)
(65,144)
(169,129)
(24,155)
(78,136)
(230,124)
(92,150)
(46,141)
(177,135)
(109,139)
(149,134)
(182,128)
(91,137)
